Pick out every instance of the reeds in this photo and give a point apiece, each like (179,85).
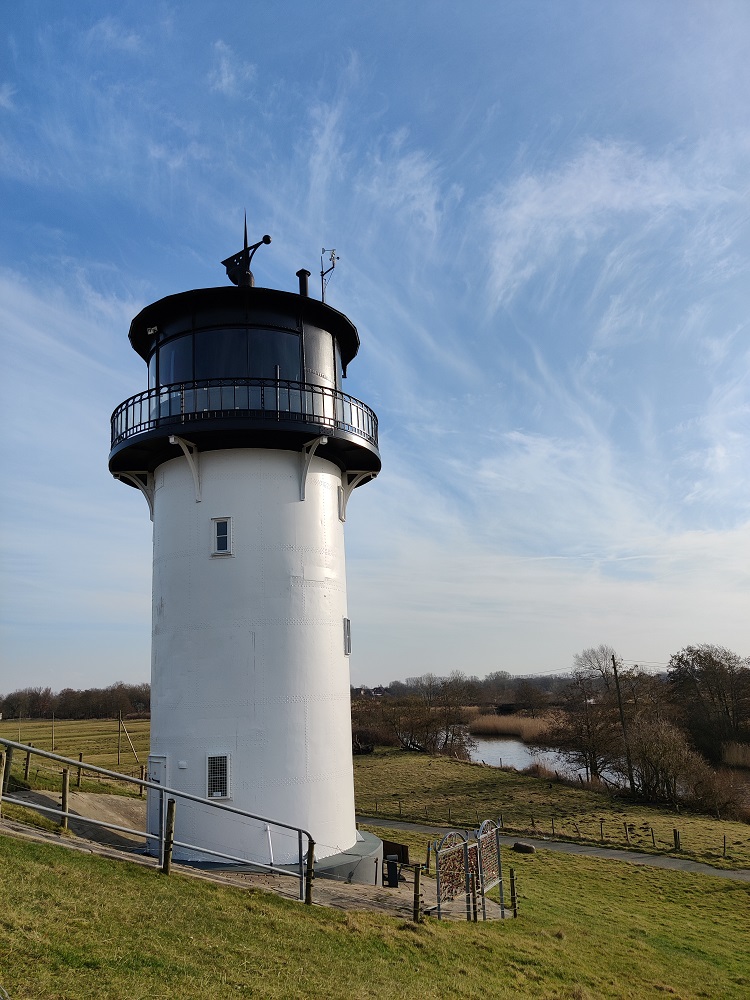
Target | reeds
(521,727)
(736,755)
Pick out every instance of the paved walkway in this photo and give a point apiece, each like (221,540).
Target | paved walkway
(589,850)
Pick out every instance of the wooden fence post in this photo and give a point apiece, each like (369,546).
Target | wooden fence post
(64,801)
(8,764)
(140,787)
(417,910)
(169,837)
(2,780)
(27,764)
(601,829)
(677,840)
(725,845)
(429,851)
(78,777)
(653,837)
(627,832)
(309,872)
(513,893)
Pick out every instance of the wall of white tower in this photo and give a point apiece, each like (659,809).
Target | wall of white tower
(248,651)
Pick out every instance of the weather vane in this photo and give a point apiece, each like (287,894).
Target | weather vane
(238,265)
(323,282)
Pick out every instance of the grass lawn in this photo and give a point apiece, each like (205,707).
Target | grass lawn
(96,739)
(75,926)
(444,791)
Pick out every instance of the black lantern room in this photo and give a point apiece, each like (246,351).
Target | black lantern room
(243,367)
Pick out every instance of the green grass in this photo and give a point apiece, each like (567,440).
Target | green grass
(432,789)
(76,925)
(96,739)
(449,792)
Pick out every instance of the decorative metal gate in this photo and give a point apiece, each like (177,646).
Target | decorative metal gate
(490,863)
(468,863)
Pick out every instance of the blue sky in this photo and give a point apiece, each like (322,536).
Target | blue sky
(542,215)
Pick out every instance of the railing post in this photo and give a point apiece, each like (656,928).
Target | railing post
(166,866)
(162,827)
(8,765)
(309,873)
(64,800)
(301,862)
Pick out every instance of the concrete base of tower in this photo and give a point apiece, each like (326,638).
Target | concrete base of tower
(362,864)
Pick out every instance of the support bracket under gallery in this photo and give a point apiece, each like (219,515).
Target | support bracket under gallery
(145,483)
(306,457)
(349,482)
(190,451)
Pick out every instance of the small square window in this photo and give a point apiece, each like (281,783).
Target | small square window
(222,536)
(347,637)
(217,777)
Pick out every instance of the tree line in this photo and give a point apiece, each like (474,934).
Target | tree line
(661,736)
(93,703)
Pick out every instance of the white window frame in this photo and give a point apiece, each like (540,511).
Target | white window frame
(228,789)
(215,550)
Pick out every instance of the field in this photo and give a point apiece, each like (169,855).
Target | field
(78,925)
(75,925)
(399,785)
(96,739)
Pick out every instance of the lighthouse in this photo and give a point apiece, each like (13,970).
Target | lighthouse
(247,451)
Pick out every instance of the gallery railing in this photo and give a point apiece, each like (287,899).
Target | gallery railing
(248,398)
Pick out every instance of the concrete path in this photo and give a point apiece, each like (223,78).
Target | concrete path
(588,850)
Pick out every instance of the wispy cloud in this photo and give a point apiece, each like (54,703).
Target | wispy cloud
(230,75)
(555,218)
(111,34)
(7,92)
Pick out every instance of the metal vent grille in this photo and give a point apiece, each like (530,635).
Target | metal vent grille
(347,637)
(218,777)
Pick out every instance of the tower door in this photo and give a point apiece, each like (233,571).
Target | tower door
(157,772)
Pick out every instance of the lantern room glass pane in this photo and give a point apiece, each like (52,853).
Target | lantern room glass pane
(176,361)
(272,348)
(221,354)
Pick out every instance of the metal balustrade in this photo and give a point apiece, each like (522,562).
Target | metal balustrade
(302,869)
(249,398)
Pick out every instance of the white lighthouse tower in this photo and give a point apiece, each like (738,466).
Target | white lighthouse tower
(247,451)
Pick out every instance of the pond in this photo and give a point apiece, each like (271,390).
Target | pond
(513,753)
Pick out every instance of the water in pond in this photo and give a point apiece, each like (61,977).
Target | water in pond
(514,753)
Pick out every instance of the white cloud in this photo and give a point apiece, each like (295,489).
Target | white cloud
(111,34)
(230,75)
(552,220)
(7,92)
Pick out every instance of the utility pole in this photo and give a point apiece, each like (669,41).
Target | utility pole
(628,761)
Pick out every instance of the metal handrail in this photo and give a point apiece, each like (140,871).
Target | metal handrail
(165,790)
(233,398)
